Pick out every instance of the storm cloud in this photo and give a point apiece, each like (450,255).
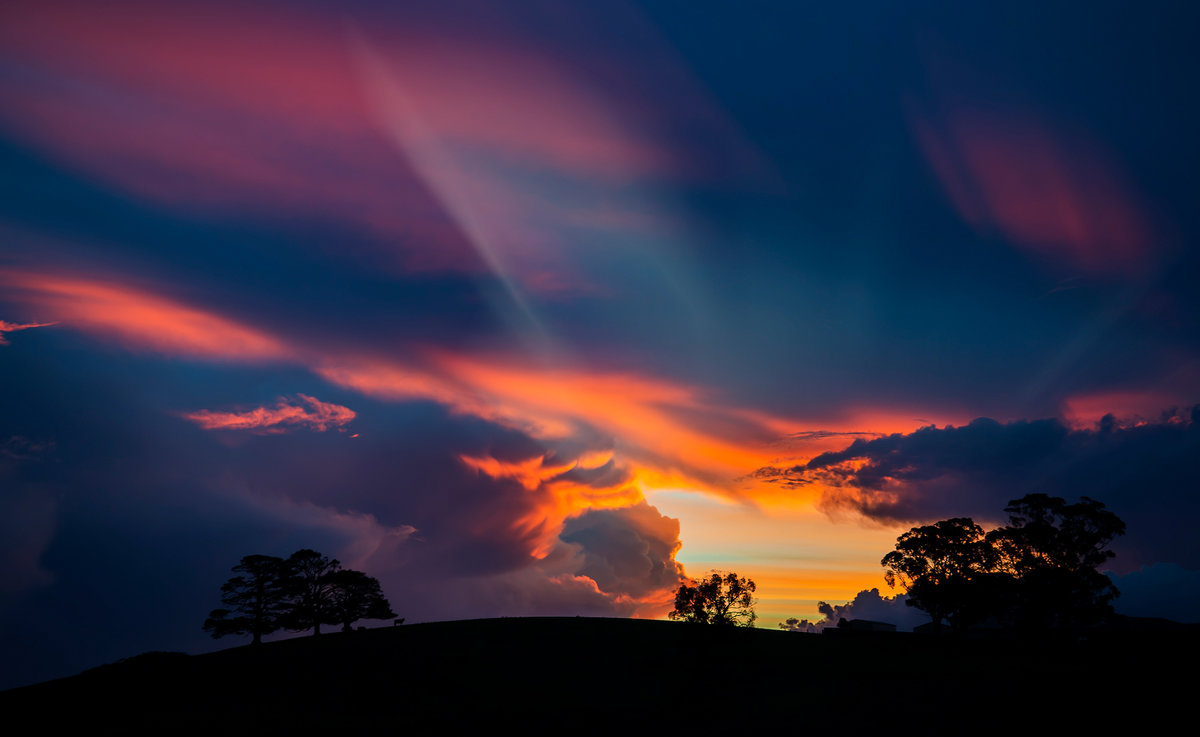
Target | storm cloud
(976,469)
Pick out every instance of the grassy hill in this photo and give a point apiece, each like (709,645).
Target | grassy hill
(577,675)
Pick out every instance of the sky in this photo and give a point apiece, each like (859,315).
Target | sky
(542,308)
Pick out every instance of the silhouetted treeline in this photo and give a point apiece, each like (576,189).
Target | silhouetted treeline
(298,593)
(1038,572)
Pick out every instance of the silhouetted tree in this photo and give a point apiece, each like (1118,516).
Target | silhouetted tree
(355,596)
(1052,550)
(726,600)
(310,590)
(945,569)
(1039,571)
(257,599)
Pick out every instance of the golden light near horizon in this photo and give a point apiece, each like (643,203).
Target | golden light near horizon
(796,556)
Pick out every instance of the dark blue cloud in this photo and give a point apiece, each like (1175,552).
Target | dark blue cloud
(1144,472)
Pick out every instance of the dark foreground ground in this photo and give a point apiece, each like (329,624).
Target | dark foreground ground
(589,676)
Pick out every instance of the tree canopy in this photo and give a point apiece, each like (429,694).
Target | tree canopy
(357,596)
(257,599)
(311,588)
(303,592)
(1040,570)
(1052,550)
(940,566)
(719,599)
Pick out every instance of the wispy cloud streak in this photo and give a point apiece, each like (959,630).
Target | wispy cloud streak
(284,415)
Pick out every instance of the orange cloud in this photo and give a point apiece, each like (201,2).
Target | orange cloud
(650,417)
(12,327)
(666,434)
(653,434)
(141,320)
(310,412)
(559,494)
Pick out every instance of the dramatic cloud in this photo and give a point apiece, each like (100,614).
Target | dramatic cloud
(674,433)
(308,412)
(531,247)
(526,529)
(630,553)
(974,470)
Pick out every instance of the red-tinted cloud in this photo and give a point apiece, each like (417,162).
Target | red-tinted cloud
(285,414)
(1043,189)
(450,148)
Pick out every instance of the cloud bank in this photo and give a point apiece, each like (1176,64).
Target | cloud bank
(976,469)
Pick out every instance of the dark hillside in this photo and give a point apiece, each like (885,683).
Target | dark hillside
(574,675)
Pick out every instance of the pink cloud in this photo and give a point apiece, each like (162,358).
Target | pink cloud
(456,150)
(1048,192)
(284,415)
(452,146)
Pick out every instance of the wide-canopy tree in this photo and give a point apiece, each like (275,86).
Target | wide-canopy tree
(942,567)
(357,596)
(1039,571)
(311,591)
(1053,551)
(303,592)
(257,599)
(718,599)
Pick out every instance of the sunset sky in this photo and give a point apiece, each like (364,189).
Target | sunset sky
(540,308)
